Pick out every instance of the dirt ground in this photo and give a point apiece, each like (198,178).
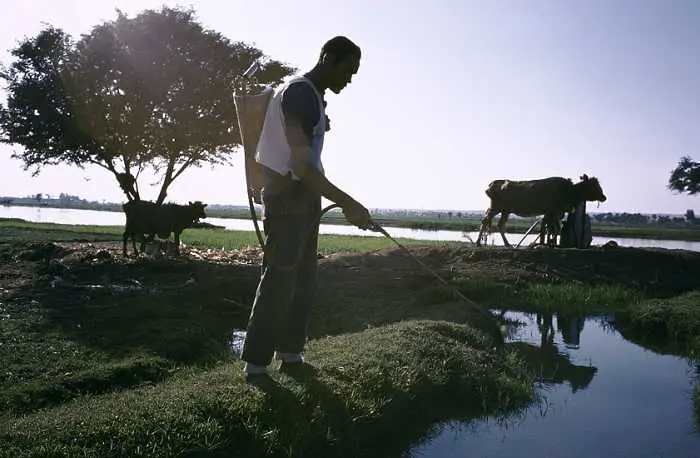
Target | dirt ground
(227,280)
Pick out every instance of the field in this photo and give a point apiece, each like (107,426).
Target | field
(110,356)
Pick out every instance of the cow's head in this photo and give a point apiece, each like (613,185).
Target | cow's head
(590,190)
(197,210)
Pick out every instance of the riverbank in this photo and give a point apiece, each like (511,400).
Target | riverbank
(679,231)
(125,357)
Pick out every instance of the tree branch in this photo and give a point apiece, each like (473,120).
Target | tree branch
(187,163)
(167,179)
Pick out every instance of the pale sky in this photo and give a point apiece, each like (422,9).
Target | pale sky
(450,95)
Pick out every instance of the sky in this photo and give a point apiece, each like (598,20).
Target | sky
(449,96)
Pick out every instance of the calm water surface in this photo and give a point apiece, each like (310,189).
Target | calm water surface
(105,218)
(608,398)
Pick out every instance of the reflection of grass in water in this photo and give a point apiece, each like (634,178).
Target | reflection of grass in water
(505,422)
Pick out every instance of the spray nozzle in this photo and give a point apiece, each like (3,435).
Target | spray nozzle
(252,70)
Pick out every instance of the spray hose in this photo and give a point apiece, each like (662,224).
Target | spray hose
(375,227)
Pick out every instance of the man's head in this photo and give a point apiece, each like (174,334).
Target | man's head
(338,62)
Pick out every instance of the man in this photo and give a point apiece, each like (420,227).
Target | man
(289,150)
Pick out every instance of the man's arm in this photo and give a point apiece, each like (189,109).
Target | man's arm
(301,110)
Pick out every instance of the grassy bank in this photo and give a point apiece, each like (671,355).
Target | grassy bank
(108,356)
(364,382)
(670,324)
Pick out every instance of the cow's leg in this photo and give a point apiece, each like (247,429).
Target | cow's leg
(129,233)
(125,237)
(546,228)
(501,228)
(177,241)
(556,229)
(146,238)
(485,223)
(133,243)
(543,230)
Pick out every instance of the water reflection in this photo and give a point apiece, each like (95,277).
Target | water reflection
(596,388)
(553,366)
(570,325)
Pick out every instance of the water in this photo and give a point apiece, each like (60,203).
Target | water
(611,398)
(105,218)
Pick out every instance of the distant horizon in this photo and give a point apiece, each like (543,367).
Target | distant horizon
(589,208)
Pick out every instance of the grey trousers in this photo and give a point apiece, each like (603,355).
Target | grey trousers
(287,288)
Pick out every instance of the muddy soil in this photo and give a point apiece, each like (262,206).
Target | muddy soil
(225,282)
(656,271)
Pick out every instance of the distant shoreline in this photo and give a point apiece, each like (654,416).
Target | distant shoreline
(670,230)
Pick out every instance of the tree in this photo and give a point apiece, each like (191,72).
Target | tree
(685,178)
(153,91)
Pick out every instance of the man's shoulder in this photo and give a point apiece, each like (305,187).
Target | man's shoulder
(299,90)
(299,100)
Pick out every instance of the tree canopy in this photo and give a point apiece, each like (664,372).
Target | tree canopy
(685,178)
(152,91)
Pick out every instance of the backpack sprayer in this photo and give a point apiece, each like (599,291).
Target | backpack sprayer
(251,100)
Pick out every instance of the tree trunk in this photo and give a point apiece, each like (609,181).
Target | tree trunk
(167,180)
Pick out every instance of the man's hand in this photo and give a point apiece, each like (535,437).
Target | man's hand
(357,215)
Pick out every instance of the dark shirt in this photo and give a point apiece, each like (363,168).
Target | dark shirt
(300,101)
(281,194)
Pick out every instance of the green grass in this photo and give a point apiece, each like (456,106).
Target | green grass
(328,243)
(576,297)
(546,297)
(365,382)
(17,230)
(678,317)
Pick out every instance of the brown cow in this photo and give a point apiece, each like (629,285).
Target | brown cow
(545,196)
